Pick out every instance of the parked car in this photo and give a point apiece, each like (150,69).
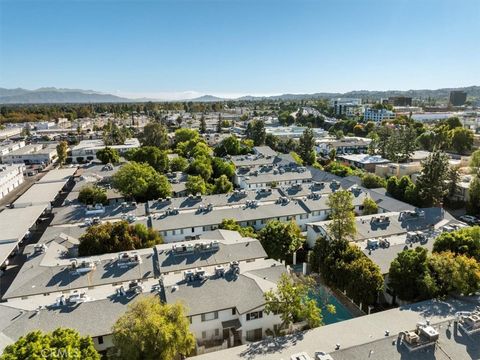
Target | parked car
(470,220)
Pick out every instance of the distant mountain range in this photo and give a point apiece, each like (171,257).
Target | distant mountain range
(59,96)
(56,96)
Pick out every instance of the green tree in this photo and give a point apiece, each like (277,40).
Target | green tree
(201,150)
(453,180)
(231,224)
(463,242)
(59,344)
(384,134)
(228,146)
(203,125)
(141,181)
(461,140)
(256,132)
(151,155)
(178,164)
(222,185)
(306,148)
(62,149)
(280,239)
(345,266)
(392,186)
(150,330)
(342,225)
(196,185)
(115,237)
(201,167)
(155,134)
(454,274)
(406,274)
(369,206)
(91,195)
(291,301)
(372,181)
(108,155)
(221,167)
(473,203)
(183,135)
(296,157)
(475,163)
(453,122)
(432,183)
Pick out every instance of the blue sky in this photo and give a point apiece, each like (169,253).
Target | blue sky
(168,49)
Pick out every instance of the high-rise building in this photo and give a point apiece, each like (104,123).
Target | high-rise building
(458,98)
(400,101)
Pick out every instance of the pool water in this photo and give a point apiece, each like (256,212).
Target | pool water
(324,297)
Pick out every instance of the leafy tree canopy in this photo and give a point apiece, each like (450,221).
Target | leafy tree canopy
(115,237)
(141,181)
(369,206)
(62,149)
(231,224)
(151,330)
(151,155)
(464,242)
(292,302)
(222,185)
(342,225)
(108,155)
(178,164)
(60,344)
(91,195)
(155,134)
(256,132)
(196,185)
(280,239)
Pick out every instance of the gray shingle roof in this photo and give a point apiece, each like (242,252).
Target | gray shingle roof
(36,278)
(214,294)
(240,251)
(215,217)
(94,318)
(74,214)
(194,202)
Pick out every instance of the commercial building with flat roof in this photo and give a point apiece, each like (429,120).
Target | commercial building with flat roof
(86,150)
(15,225)
(31,154)
(363,161)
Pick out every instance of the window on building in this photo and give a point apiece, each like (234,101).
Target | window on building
(254,315)
(210,316)
(254,335)
(217,332)
(193,229)
(234,312)
(100,340)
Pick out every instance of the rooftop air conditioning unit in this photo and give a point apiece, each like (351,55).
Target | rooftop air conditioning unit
(219,271)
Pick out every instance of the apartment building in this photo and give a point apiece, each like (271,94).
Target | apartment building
(221,278)
(31,154)
(378,115)
(11,176)
(86,150)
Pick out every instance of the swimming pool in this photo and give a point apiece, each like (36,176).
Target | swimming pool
(323,297)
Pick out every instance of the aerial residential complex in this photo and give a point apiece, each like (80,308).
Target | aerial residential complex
(212,256)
